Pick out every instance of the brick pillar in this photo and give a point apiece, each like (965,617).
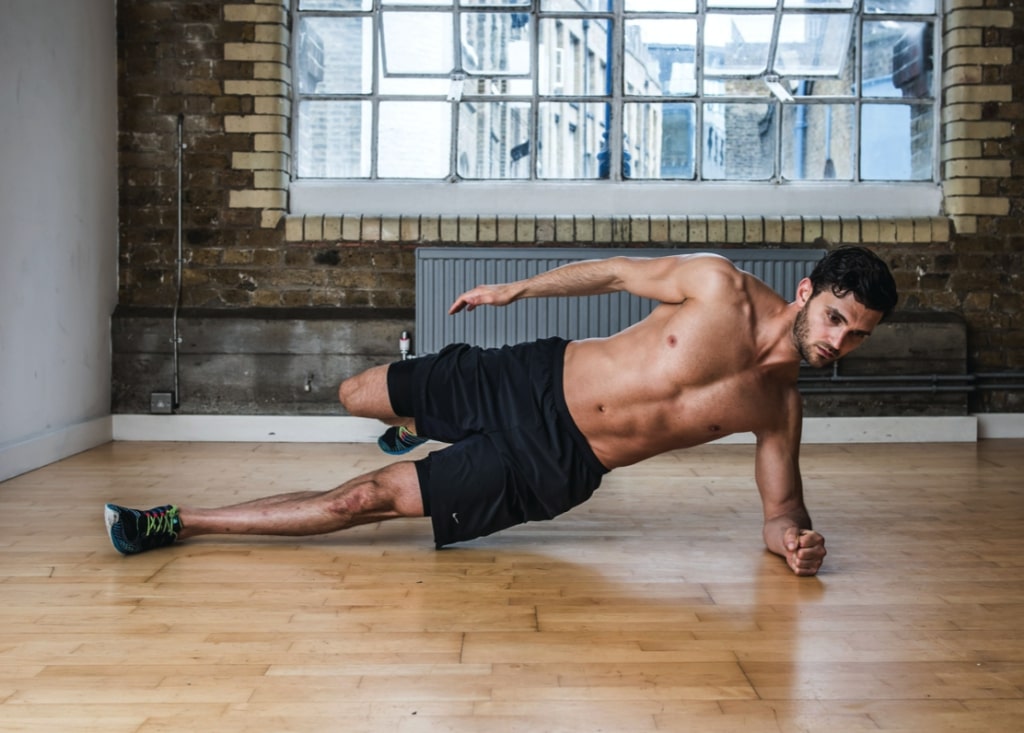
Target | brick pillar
(268,156)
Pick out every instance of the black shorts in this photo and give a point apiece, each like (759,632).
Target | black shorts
(515,455)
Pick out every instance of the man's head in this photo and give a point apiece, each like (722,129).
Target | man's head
(859,271)
(847,294)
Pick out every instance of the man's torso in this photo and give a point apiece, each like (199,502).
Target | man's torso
(689,373)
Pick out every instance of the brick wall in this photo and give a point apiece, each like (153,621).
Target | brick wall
(223,65)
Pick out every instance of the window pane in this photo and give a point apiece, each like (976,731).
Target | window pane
(335,4)
(576,5)
(497,3)
(896,142)
(333,56)
(738,141)
(813,45)
(414,139)
(737,44)
(661,57)
(494,140)
(742,3)
(660,142)
(496,43)
(334,140)
(897,59)
(821,87)
(736,88)
(907,7)
(416,43)
(570,140)
(817,142)
(661,6)
(573,54)
(818,4)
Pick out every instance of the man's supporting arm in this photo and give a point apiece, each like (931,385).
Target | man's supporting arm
(787,524)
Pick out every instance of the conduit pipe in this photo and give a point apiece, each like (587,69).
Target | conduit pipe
(911,383)
(175,336)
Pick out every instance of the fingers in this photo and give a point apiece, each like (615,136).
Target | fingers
(807,551)
(460,304)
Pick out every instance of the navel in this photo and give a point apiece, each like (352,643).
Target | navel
(600,408)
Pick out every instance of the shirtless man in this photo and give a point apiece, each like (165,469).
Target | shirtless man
(534,427)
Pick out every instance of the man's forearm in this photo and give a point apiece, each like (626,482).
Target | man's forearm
(589,277)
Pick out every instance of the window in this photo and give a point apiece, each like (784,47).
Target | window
(616,98)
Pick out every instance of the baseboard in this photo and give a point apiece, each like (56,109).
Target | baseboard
(826,430)
(993,425)
(42,449)
(246,428)
(292,429)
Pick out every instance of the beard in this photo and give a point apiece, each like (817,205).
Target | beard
(801,340)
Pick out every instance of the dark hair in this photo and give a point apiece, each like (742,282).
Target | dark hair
(857,270)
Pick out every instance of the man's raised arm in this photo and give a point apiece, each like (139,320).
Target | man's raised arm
(666,279)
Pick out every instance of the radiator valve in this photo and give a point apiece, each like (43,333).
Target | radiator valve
(403,345)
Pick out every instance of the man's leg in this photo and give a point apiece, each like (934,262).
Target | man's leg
(367,395)
(387,493)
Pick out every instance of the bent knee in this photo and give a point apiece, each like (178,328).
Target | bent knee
(366,394)
(347,393)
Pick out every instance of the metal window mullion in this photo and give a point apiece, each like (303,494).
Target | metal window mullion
(453,141)
(617,116)
(773,47)
(293,65)
(377,32)
(936,106)
(533,118)
(698,122)
(858,97)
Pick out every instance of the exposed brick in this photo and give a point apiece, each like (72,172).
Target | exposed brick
(224,64)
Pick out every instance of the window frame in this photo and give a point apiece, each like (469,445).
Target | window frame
(465,197)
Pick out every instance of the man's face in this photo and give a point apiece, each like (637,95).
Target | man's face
(828,328)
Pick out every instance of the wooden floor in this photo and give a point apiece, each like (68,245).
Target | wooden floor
(653,607)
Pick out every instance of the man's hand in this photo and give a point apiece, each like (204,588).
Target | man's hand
(805,550)
(482,295)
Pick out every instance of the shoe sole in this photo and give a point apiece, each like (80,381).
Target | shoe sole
(111,516)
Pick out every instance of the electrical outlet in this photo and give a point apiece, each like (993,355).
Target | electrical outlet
(161,403)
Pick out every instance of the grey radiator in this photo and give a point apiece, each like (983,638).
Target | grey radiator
(443,273)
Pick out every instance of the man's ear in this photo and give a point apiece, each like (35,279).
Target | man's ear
(804,291)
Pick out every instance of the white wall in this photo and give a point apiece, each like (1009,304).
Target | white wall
(58,227)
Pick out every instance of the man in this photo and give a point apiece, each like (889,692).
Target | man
(534,427)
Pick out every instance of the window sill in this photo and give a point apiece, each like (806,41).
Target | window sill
(601,199)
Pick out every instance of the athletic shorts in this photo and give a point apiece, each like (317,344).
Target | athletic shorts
(515,454)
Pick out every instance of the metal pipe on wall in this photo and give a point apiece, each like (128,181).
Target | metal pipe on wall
(175,337)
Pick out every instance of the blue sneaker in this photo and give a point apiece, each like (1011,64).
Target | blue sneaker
(133,531)
(399,440)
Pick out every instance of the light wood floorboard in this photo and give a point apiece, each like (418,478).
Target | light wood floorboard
(654,607)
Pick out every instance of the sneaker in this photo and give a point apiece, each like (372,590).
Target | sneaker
(399,440)
(133,531)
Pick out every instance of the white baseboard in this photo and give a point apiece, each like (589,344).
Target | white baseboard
(247,428)
(267,428)
(42,449)
(825,430)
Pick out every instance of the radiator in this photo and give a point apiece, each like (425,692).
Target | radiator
(443,273)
